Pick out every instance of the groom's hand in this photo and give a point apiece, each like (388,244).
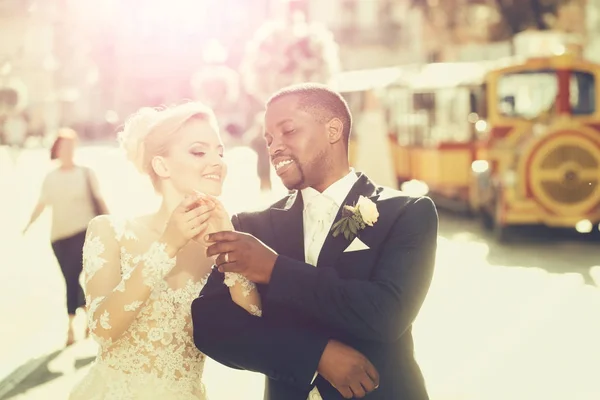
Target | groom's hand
(348,370)
(242,253)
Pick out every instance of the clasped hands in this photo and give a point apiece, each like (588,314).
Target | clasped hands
(202,218)
(195,216)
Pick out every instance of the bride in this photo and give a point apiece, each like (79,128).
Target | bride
(142,274)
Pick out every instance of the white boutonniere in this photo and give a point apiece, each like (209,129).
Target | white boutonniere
(356,218)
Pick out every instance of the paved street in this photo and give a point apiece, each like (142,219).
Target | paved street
(512,322)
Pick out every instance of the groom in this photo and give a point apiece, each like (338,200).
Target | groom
(342,266)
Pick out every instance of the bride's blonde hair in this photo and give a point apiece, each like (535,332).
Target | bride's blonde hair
(150,132)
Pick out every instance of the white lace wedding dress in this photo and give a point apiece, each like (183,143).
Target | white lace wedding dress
(139,313)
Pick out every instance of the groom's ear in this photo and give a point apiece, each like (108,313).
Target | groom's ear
(335,130)
(160,167)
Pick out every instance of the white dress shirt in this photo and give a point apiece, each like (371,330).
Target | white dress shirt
(319,214)
(318,217)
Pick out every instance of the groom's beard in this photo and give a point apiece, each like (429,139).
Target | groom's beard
(299,183)
(318,163)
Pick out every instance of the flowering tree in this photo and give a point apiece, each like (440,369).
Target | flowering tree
(217,86)
(282,53)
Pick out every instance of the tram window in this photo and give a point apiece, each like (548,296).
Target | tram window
(424,101)
(531,94)
(473,106)
(403,118)
(527,94)
(423,118)
(454,113)
(582,93)
(478,101)
(483,102)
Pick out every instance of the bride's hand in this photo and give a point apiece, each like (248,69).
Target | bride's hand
(188,221)
(219,219)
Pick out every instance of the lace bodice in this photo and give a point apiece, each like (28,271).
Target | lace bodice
(139,313)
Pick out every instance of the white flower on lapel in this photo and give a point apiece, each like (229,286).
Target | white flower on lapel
(368,210)
(356,218)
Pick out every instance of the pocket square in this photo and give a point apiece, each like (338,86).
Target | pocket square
(356,245)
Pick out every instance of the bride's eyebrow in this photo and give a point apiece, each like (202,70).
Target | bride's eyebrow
(220,146)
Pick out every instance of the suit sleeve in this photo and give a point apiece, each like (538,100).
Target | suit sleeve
(228,334)
(382,308)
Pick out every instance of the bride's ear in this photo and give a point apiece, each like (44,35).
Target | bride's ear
(160,167)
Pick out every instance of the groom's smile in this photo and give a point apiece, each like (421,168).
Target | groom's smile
(282,165)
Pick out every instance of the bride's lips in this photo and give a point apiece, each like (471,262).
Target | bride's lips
(282,165)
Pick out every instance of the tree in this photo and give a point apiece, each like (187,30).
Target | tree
(449,17)
(521,15)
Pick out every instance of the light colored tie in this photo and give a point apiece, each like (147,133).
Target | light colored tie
(319,212)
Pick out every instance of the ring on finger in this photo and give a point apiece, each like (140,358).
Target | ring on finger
(226,257)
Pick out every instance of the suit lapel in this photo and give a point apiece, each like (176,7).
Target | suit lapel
(335,246)
(289,228)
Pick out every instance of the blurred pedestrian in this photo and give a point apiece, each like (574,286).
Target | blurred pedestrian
(72,192)
(259,145)
(374,154)
(15,128)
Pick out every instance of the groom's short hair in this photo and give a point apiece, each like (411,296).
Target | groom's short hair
(319,100)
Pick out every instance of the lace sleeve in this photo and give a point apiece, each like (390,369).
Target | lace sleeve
(244,293)
(114,299)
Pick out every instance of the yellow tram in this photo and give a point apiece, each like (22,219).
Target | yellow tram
(517,141)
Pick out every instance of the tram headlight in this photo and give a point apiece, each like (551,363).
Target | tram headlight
(584,226)
(481,126)
(480,166)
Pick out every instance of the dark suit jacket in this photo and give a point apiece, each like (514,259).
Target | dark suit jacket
(366,299)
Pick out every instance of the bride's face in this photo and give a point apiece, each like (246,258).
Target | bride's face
(195,160)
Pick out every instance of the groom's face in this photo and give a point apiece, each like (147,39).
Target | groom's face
(297,143)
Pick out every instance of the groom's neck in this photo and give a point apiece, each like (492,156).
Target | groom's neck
(332,177)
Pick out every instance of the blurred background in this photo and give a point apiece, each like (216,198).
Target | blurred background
(488,106)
